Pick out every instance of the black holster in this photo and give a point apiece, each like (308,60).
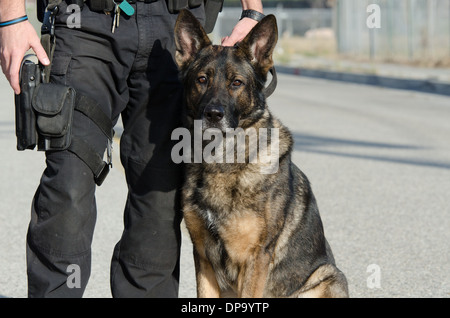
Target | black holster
(44,118)
(30,78)
(44,111)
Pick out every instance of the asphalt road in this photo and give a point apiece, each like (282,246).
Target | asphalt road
(379,163)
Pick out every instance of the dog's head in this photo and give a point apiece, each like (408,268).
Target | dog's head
(224,85)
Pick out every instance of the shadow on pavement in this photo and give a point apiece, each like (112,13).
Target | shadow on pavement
(318,144)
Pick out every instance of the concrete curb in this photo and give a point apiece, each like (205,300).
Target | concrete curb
(419,85)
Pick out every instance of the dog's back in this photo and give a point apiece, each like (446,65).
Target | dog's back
(301,251)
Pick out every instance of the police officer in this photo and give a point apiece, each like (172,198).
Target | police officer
(129,70)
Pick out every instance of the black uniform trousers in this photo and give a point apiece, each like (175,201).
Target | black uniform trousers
(132,73)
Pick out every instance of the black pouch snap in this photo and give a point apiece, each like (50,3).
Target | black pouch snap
(54,105)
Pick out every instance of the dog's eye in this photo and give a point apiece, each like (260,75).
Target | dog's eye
(202,80)
(237,83)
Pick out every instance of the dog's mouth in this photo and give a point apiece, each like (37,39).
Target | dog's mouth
(222,125)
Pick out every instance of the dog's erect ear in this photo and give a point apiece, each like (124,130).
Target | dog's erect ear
(190,38)
(260,43)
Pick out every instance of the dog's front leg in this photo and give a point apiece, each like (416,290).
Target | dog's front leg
(207,286)
(253,279)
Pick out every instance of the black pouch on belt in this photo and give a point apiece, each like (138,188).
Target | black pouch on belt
(54,105)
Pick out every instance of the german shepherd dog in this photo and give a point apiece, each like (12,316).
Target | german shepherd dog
(254,234)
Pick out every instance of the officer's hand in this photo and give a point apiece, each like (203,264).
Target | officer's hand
(15,41)
(239,32)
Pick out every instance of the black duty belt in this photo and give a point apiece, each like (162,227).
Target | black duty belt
(134,1)
(106,5)
(145,1)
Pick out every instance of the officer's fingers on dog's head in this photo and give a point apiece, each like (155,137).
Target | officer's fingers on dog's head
(240,31)
(228,41)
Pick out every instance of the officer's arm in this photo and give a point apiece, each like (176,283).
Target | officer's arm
(244,26)
(15,40)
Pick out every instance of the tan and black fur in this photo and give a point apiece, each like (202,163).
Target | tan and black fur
(254,234)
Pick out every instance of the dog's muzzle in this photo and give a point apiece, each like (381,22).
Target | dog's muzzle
(213,113)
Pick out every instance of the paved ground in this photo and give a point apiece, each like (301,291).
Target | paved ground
(340,64)
(379,163)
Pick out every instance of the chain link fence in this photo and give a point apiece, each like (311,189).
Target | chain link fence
(409,30)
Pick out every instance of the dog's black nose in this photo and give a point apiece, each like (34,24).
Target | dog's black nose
(214,113)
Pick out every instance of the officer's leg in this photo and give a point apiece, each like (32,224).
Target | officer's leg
(146,260)
(60,232)
(63,210)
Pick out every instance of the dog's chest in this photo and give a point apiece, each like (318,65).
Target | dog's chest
(231,242)
(223,194)
(228,214)
(232,224)
(232,218)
